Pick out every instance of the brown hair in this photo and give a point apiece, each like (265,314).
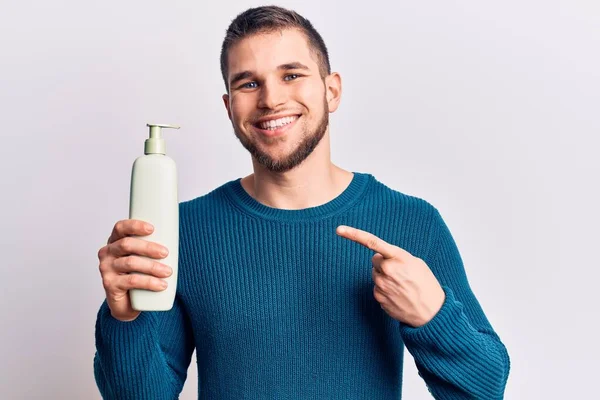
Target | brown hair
(267,19)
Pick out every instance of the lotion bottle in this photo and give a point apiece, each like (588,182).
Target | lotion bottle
(153,198)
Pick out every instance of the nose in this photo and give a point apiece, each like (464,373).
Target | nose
(271,95)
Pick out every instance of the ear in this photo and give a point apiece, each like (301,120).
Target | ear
(226,101)
(333,90)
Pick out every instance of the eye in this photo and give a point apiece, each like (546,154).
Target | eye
(291,76)
(247,85)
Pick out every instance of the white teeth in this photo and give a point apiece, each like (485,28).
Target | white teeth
(277,123)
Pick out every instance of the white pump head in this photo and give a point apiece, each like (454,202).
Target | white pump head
(155,144)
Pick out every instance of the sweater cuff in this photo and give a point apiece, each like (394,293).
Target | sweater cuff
(113,331)
(444,332)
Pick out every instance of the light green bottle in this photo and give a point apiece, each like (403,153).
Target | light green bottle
(153,198)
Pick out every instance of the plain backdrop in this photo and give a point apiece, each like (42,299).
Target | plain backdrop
(488,110)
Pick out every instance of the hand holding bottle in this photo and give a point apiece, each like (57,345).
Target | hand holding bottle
(121,256)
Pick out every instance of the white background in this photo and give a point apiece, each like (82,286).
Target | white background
(488,110)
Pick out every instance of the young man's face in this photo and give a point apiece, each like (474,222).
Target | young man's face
(278,103)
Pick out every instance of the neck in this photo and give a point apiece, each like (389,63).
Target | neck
(314,182)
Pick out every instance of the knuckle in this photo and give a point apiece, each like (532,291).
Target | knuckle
(153,249)
(129,262)
(377,280)
(378,296)
(372,243)
(155,268)
(126,243)
(102,252)
(140,227)
(150,282)
(119,226)
(385,269)
(106,283)
(132,280)
(102,268)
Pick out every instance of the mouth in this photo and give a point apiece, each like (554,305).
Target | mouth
(276,127)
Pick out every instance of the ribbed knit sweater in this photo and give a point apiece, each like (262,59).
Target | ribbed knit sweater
(278,306)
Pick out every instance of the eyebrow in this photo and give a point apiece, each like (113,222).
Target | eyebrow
(285,67)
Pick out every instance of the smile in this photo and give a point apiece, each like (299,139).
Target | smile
(276,127)
(277,123)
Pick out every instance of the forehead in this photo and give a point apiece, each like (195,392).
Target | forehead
(262,52)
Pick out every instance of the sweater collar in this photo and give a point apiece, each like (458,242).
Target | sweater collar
(353,192)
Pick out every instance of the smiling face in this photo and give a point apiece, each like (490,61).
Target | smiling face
(278,102)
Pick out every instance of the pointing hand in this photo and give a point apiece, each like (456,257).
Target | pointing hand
(405,287)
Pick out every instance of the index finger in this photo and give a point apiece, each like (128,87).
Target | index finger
(129,227)
(369,240)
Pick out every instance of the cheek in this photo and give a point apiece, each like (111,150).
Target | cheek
(315,98)
(311,94)
(240,109)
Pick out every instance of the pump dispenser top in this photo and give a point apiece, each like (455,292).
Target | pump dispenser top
(155,144)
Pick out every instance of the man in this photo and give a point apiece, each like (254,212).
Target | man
(301,280)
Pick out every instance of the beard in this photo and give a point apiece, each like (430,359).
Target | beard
(308,142)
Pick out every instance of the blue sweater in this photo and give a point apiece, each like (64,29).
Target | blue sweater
(278,306)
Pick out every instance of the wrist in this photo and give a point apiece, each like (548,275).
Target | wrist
(431,308)
(128,318)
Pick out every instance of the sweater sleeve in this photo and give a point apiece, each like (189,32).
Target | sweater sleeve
(146,358)
(457,353)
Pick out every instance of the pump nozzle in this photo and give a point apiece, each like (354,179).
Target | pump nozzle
(156,144)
